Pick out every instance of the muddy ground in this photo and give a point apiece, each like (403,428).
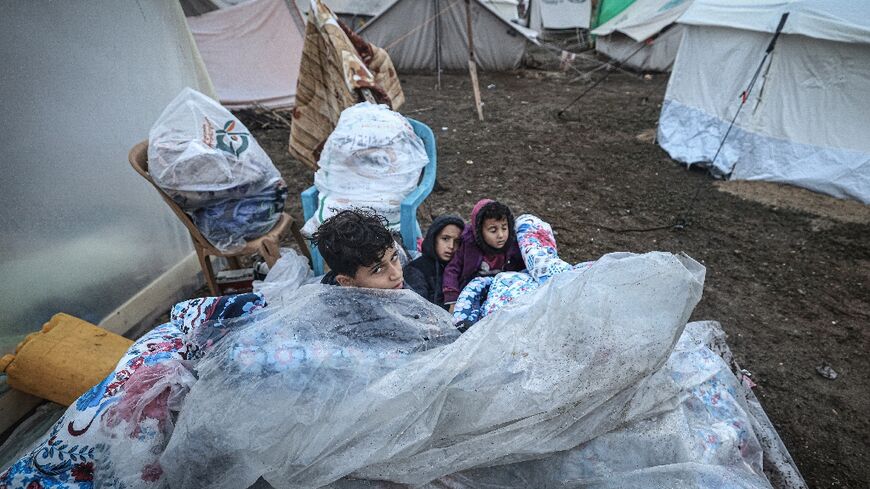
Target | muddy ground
(789,287)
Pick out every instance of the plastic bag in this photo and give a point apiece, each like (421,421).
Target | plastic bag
(207,161)
(371,160)
(137,427)
(290,272)
(341,381)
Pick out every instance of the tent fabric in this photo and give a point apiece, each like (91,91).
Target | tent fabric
(252,52)
(407,30)
(644,18)
(804,123)
(621,37)
(560,14)
(81,84)
(608,9)
(507,9)
(833,20)
(336,64)
(368,8)
(197,7)
(657,56)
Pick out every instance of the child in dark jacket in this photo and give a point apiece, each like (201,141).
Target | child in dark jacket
(488,246)
(424,274)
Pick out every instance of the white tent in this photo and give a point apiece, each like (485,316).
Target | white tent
(644,35)
(366,8)
(805,123)
(354,13)
(252,52)
(559,14)
(507,9)
(410,31)
(82,82)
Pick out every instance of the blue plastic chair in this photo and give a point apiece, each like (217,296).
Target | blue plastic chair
(409,226)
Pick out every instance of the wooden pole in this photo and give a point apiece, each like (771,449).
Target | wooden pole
(472,64)
(438,41)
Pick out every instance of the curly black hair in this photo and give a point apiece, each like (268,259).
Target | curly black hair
(498,211)
(352,239)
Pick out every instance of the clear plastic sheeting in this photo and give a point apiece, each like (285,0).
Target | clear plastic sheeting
(81,84)
(370,384)
(152,396)
(372,159)
(713,434)
(290,272)
(208,162)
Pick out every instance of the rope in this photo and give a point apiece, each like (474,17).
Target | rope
(559,114)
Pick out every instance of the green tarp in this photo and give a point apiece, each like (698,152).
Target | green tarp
(609,9)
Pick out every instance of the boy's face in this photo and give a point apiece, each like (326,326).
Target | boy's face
(495,232)
(385,274)
(446,242)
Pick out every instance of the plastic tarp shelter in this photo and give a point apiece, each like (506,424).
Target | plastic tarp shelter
(560,14)
(81,84)
(408,30)
(805,122)
(252,52)
(624,37)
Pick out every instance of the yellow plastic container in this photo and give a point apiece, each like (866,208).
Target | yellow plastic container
(64,360)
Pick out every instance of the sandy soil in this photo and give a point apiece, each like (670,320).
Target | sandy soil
(789,283)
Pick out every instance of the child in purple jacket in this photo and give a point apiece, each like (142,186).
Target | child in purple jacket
(488,245)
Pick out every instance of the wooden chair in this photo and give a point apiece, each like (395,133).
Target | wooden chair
(267,246)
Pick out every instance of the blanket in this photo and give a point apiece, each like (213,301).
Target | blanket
(485,295)
(603,389)
(131,409)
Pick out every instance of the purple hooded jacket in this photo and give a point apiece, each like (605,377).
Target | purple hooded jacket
(466,261)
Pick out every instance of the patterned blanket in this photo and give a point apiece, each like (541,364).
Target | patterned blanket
(132,408)
(485,295)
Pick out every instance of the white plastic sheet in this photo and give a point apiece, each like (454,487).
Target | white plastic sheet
(348,382)
(290,272)
(371,160)
(208,162)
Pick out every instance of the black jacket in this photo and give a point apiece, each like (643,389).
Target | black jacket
(329,279)
(423,274)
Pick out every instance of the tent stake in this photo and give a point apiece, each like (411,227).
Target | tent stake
(472,64)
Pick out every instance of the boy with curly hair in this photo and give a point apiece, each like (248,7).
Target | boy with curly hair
(359,250)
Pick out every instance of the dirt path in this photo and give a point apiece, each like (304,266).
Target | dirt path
(790,288)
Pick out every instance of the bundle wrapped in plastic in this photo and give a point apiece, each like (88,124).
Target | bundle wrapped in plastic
(290,272)
(371,160)
(705,435)
(212,167)
(369,384)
